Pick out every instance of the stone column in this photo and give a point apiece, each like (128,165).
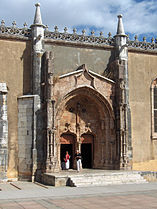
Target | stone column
(123,115)
(52,163)
(38,29)
(3,131)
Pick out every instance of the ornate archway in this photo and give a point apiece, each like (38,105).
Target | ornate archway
(84,112)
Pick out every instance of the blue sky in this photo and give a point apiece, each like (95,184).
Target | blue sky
(139,16)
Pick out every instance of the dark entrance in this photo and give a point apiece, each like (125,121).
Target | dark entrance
(67,144)
(86,151)
(69,148)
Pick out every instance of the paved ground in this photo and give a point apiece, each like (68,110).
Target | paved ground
(18,195)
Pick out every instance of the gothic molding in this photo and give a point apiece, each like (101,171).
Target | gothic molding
(84,77)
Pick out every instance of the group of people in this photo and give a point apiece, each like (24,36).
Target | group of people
(78,158)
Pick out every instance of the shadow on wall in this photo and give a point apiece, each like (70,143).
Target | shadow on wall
(110,69)
(40,144)
(27,69)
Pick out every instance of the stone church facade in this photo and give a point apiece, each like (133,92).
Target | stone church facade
(61,91)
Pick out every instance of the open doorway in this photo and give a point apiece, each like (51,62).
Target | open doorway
(86,151)
(69,148)
(67,144)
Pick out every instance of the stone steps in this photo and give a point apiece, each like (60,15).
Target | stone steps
(82,180)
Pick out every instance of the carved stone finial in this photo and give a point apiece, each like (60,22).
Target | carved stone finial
(37,4)
(153,40)
(74,30)
(144,39)
(120,28)
(101,33)
(65,30)
(92,32)
(109,35)
(37,18)
(83,32)
(14,24)
(25,25)
(136,38)
(2,23)
(56,29)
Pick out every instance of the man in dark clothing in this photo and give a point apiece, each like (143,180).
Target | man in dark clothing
(78,159)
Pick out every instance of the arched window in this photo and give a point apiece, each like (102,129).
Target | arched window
(154,109)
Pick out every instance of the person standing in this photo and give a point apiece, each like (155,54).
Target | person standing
(78,159)
(67,161)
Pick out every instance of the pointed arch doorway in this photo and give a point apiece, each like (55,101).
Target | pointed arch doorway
(68,142)
(87,115)
(87,150)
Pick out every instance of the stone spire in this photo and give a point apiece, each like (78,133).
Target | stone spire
(120,28)
(122,93)
(38,48)
(37,17)
(121,41)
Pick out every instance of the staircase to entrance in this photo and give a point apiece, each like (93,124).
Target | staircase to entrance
(106,179)
(92,177)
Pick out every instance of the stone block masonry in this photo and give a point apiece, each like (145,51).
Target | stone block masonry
(27,107)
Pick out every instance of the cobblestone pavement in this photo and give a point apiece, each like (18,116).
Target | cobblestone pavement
(20,195)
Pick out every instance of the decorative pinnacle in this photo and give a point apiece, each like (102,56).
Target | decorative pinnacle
(120,28)
(144,39)
(153,40)
(83,32)
(109,35)
(56,29)
(74,30)
(3,22)
(37,18)
(25,25)
(136,38)
(37,4)
(101,33)
(14,23)
(92,32)
(65,30)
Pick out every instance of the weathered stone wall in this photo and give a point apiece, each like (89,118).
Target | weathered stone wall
(28,107)
(15,71)
(25,125)
(142,71)
(3,131)
(68,58)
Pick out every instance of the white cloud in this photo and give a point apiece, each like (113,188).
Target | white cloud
(138,17)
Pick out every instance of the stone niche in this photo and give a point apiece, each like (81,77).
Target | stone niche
(3,131)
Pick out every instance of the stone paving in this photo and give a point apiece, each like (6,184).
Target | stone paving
(28,195)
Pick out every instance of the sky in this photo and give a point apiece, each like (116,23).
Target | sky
(139,16)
